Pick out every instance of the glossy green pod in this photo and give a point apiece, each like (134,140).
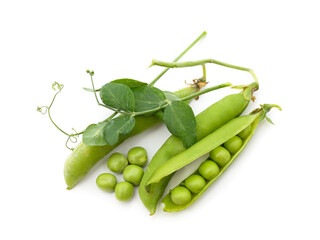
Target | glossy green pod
(208,121)
(214,140)
(202,147)
(84,157)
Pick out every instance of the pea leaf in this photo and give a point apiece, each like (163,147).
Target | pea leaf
(131,83)
(117,95)
(147,98)
(171,96)
(120,125)
(94,136)
(180,121)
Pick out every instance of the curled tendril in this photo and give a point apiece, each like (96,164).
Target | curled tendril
(57,86)
(43,109)
(73,138)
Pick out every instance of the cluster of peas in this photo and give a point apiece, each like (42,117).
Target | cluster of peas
(130,167)
(209,169)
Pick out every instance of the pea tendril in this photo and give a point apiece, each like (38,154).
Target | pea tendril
(73,137)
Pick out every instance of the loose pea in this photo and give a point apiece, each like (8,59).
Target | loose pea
(124,191)
(117,162)
(133,174)
(209,169)
(245,132)
(233,144)
(195,183)
(180,195)
(138,156)
(220,155)
(106,182)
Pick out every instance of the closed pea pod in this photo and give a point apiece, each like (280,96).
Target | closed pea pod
(84,157)
(206,145)
(208,121)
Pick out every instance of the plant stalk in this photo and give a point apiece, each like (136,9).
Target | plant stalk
(184,99)
(178,58)
(201,62)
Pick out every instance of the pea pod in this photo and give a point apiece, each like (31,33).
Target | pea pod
(207,144)
(84,157)
(208,121)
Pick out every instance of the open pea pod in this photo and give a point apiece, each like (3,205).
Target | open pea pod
(204,146)
(208,121)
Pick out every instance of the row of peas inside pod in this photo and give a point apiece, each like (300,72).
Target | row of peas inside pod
(132,171)
(208,170)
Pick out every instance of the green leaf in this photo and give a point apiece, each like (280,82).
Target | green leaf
(117,95)
(120,125)
(131,83)
(147,98)
(171,96)
(93,135)
(180,121)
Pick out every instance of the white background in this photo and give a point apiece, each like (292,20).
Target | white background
(272,189)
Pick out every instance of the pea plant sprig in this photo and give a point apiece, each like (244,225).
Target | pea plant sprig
(131,98)
(91,137)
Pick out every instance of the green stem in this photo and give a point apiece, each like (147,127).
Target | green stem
(184,99)
(49,114)
(95,94)
(94,90)
(111,116)
(204,75)
(201,62)
(206,91)
(180,56)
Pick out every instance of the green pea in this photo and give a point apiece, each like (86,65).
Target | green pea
(133,174)
(138,156)
(233,144)
(124,191)
(117,162)
(195,183)
(245,132)
(180,195)
(106,182)
(220,155)
(209,169)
